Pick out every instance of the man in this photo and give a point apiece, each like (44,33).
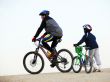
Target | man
(53,32)
(90,41)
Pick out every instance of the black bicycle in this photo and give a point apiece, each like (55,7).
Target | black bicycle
(33,61)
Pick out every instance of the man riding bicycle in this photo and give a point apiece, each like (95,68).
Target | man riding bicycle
(53,32)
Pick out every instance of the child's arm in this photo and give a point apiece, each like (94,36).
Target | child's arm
(82,40)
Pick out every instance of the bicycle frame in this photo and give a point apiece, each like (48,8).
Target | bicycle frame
(79,52)
(40,46)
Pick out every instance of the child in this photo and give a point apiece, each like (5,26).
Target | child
(90,41)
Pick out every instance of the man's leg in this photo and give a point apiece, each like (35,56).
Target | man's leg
(53,46)
(55,42)
(46,39)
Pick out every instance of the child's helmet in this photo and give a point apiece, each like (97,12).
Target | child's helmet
(87,27)
(44,12)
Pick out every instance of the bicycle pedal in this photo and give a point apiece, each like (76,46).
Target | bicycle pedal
(94,70)
(53,65)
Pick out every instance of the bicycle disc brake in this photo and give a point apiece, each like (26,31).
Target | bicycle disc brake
(33,61)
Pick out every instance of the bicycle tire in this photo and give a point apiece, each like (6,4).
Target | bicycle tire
(58,64)
(75,62)
(90,65)
(25,66)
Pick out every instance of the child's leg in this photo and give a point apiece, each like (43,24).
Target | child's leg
(97,58)
(91,54)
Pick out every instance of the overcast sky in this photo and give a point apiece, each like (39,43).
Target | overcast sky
(19,20)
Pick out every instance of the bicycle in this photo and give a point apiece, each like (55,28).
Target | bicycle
(82,59)
(33,61)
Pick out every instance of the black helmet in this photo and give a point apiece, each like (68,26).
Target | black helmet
(87,28)
(44,12)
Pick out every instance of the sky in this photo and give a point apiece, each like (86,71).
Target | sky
(19,20)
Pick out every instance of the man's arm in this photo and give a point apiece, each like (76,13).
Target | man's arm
(42,26)
(44,35)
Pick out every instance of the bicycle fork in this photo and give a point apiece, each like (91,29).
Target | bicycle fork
(35,56)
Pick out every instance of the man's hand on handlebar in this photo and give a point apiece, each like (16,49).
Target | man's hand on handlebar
(33,39)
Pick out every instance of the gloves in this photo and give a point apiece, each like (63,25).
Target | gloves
(33,39)
(75,45)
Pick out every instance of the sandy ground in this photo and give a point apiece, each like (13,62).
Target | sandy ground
(103,76)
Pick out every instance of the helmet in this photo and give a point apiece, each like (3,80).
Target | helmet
(44,12)
(87,27)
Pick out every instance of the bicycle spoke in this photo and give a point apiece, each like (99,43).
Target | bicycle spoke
(33,63)
(64,60)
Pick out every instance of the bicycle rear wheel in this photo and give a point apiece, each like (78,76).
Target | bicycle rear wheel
(33,62)
(76,65)
(64,59)
(88,65)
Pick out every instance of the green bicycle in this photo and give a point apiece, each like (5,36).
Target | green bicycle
(82,59)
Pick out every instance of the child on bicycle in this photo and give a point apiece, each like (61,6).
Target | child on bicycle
(53,32)
(90,41)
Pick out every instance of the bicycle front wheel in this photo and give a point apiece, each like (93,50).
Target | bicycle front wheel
(76,65)
(88,64)
(33,62)
(64,59)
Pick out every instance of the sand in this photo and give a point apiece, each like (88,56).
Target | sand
(103,76)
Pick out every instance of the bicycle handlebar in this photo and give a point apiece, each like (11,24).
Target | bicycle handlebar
(83,46)
(39,40)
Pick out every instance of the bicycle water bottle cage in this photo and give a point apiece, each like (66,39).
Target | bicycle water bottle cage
(78,49)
